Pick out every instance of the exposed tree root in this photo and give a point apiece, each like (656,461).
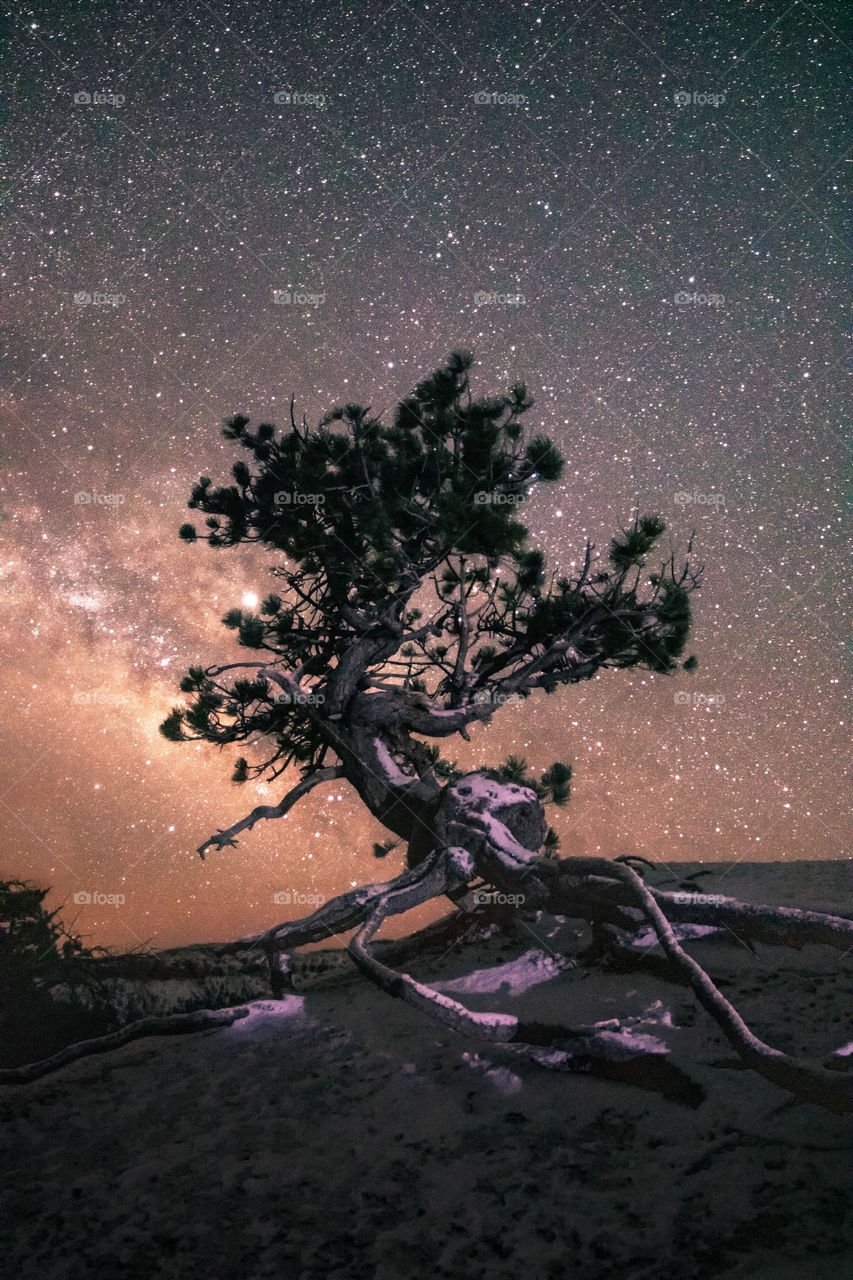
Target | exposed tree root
(807,1081)
(609,894)
(592,894)
(638,1060)
(173,1024)
(600,890)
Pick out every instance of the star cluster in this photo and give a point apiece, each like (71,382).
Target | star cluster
(634,208)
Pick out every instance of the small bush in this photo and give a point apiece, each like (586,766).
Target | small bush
(50,992)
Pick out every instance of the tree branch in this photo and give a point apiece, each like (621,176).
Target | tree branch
(226,837)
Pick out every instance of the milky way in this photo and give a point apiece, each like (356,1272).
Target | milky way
(635,208)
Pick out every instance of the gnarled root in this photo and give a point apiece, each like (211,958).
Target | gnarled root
(639,1060)
(809,1082)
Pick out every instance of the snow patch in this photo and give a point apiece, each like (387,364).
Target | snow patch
(627,1043)
(392,770)
(485,788)
(514,978)
(263,1011)
(505,1081)
(683,932)
(655,1015)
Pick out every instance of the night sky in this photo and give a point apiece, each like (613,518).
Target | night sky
(650,201)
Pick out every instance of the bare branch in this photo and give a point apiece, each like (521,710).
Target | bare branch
(224,838)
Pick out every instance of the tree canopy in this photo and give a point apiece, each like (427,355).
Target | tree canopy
(409,600)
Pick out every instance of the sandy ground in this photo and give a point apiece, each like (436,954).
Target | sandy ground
(339,1134)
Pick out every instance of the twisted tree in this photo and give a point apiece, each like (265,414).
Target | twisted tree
(410,607)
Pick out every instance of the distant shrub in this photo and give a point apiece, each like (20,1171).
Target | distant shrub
(50,991)
(55,991)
